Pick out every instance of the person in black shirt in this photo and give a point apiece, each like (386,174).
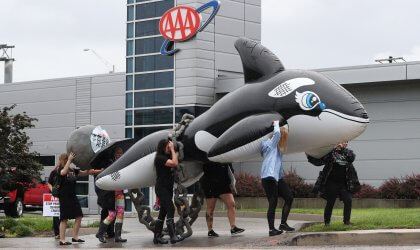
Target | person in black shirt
(217,184)
(69,204)
(56,220)
(337,179)
(166,159)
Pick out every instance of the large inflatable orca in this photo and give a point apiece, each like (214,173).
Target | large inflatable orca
(318,111)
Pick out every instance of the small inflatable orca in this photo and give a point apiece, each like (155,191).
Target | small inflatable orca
(318,111)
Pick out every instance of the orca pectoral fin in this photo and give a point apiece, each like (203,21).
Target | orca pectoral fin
(242,140)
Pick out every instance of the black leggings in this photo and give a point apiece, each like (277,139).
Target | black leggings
(332,191)
(167,208)
(56,225)
(274,189)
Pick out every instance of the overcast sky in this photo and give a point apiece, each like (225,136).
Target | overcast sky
(50,35)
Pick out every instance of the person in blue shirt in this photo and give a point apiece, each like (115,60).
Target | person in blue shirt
(272,150)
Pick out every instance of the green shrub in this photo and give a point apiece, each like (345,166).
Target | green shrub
(94,224)
(22,230)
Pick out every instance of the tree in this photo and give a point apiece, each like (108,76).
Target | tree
(17,163)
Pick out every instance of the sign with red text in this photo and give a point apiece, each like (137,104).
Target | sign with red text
(51,206)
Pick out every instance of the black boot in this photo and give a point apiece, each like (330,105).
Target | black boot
(118,229)
(100,234)
(157,239)
(171,230)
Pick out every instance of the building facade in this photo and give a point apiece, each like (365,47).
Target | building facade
(159,88)
(61,106)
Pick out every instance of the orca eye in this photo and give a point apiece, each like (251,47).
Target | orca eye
(309,100)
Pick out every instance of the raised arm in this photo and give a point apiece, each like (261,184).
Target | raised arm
(90,172)
(172,163)
(66,168)
(318,162)
(274,140)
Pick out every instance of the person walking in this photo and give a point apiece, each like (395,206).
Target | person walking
(272,150)
(114,202)
(338,178)
(56,219)
(69,204)
(166,159)
(217,185)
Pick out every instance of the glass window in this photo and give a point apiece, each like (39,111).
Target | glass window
(154,98)
(130,47)
(129,100)
(153,116)
(128,117)
(193,110)
(147,28)
(128,133)
(130,1)
(142,132)
(155,9)
(82,188)
(129,63)
(149,45)
(130,13)
(155,62)
(83,200)
(130,30)
(154,80)
(46,160)
(129,83)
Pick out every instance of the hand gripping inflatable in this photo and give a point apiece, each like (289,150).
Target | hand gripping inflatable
(319,112)
(85,142)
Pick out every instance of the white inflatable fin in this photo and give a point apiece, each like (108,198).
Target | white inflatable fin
(204,140)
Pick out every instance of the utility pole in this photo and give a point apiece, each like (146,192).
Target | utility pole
(8,60)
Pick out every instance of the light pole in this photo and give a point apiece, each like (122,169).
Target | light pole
(107,64)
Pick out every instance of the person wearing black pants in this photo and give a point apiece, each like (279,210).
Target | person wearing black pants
(56,219)
(274,189)
(272,150)
(166,159)
(338,178)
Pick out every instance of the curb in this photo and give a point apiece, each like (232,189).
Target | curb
(355,238)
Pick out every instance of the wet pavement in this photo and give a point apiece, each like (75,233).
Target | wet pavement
(139,237)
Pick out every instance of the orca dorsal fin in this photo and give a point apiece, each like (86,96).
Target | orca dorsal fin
(258,62)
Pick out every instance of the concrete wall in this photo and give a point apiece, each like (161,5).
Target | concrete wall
(211,53)
(61,105)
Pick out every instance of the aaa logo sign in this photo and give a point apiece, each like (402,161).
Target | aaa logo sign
(182,23)
(179,23)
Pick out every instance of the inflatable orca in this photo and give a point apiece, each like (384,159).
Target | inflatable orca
(318,111)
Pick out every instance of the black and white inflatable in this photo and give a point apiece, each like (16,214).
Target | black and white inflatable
(318,111)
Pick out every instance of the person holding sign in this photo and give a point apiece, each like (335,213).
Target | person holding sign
(69,204)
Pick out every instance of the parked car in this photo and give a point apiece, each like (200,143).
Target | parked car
(15,202)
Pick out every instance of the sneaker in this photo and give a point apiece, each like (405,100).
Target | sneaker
(236,230)
(212,233)
(274,232)
(286,227)
(347,223)
(57,237)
